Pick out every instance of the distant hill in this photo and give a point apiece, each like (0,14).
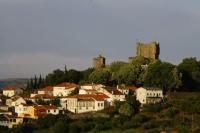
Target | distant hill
(18,82)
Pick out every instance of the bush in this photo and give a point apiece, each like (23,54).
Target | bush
(149,125)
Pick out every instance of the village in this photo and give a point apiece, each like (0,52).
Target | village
(15,108)
(91,98)
(142,94)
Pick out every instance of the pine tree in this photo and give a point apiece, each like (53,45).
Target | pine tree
(66,78)
(40,81)
(35,83)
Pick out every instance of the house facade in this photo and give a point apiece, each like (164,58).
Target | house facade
(9,91)
(15,100)
(85,103)
(149,95)
(10,121)
(39,111)
(63,89)
(47,91)
(113,94)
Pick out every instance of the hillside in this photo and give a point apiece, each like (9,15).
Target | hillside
(18,82)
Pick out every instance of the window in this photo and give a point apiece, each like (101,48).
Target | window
(98,104)
(101,104)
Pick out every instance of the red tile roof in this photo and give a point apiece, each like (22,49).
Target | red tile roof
(50,107)
(90,90)
(67,85)
(42,96)
(15,98)
(97,97)
(132,88)
(48,88)
(9,88)
(113,91)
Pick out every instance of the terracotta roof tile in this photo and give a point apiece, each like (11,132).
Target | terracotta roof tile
(9,88)
(113,90)
(48,88)
(67,85)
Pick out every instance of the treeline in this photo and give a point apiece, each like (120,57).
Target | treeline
(59,76)
(145,72)
(139,72)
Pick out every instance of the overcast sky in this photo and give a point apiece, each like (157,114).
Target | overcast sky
(38,36)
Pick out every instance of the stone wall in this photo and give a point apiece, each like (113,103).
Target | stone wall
(149,50)
(99,62)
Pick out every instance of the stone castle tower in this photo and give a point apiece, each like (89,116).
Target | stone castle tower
(149,50)
(99,62)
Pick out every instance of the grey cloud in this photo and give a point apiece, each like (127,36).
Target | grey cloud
(78,30)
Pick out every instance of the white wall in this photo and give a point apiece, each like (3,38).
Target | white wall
(8,93)
(141,95)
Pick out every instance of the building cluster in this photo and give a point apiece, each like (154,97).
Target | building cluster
(15,108)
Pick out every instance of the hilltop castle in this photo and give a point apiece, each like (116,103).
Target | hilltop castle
(99,62)
(147,50)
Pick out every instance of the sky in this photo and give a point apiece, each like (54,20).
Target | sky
(39,36)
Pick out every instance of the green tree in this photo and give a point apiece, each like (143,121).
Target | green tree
(129,74)
(190,69)
(74,92)
(100,76)
(126,109)
(163,75)
(140,60)
(74,76)
(85,75)
(59,127)
(114,68)
(130,107)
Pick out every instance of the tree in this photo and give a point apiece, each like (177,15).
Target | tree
(130,107)
(114,68)
(140,60)
(55,78)
(66,74)
(60,127)
(190,69)
(129,74)
(74,76)
(85,75)
(163,75)
(100,76)
(126,109)
(74,92)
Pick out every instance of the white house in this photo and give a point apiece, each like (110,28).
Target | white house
(113,94)
(123,89)
(149,95)
(92,86)
(44,97)
(10,91)
(87,91)
(51,109)
(10,121)
(21,109)
(86,103)
(63,89)
(14,101)
(47,90)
